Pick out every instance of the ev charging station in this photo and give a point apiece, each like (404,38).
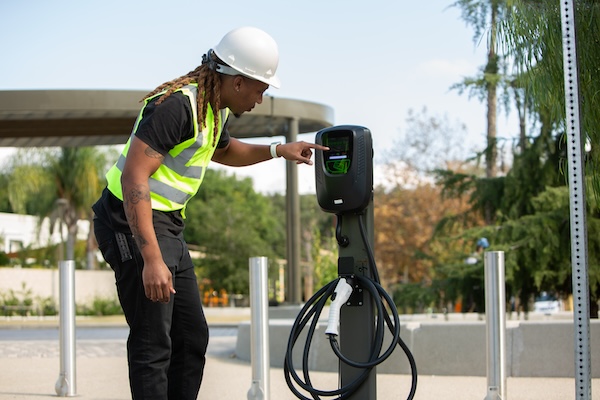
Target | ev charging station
(344,183)
(358,312)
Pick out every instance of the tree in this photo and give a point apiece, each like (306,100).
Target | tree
(410,206)
(484,15)
(532,223)
(318,246)
(406,220)
(529,33)
(532,37)
(324,256)
(429,142)
(4,202)
(61,184)
(229,223)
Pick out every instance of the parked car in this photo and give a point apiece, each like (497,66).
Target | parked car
(546,303)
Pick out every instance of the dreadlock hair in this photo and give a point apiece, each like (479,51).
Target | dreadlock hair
(209,91)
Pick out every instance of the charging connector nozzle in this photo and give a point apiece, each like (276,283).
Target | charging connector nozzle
(340,296)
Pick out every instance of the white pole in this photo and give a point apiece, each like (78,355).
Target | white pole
(495,318)
(66,384)
(259,329)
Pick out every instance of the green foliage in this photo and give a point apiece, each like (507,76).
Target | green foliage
(100,307)
(22,303)
(312,219)
(532,36)
(413,297)
(325,256)
(533,170)
(476,14)
(47,306)
(532,208)
(230,223)
(4,260)
(527,210)
(61,184)
(318,238)
(531,203)
(4,202)
(532,226)
(17,302)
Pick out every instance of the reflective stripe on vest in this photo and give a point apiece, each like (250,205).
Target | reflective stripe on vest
(179,176)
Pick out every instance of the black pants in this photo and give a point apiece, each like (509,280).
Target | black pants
(167,342)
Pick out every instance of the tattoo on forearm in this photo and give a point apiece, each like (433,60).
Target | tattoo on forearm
(130,200)
(139,239)
(138,193)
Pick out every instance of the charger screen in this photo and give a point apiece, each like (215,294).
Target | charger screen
(338,158)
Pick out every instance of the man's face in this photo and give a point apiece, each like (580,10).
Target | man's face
(248,93)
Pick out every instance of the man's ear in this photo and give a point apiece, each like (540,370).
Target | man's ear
(237,82)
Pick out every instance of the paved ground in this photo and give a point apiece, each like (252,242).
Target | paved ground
(30,368)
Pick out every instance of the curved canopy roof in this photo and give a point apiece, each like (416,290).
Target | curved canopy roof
(40,118)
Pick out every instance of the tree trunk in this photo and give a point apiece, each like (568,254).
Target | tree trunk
(91,246)
(491,70)
(71,238)
(522,113)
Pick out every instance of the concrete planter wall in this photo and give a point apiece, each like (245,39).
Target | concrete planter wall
(44,283)
(534,348)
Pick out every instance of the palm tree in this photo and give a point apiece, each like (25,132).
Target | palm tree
(60,184)
(483,16)
(531,35)
(531,218)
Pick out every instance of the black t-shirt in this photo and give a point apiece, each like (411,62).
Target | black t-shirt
(162,127)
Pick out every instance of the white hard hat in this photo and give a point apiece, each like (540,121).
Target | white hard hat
(251,52)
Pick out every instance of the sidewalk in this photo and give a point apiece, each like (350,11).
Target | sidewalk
(105,378)
(29,370)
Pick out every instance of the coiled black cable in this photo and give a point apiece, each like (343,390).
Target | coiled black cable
(311,311)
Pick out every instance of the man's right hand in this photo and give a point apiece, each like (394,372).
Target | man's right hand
(158,282)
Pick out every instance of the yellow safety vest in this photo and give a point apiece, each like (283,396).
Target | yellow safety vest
(179,176)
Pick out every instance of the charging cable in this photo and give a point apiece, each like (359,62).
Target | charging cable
(340,291)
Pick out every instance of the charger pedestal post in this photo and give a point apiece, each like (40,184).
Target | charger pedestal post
(358,311)
(357,317)
(344,182)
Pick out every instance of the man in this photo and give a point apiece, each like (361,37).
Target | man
(139,218)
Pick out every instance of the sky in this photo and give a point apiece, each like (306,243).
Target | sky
(370,61)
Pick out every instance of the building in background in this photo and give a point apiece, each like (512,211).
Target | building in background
(19,232)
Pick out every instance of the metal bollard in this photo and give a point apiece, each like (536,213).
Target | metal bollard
(259,329)
(66,383)
(495,323)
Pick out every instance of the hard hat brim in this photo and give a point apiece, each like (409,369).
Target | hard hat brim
(229,70)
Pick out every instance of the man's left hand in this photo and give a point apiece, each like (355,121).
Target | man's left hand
(301,151)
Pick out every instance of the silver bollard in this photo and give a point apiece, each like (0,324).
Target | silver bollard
(66,383)
(495,323)
(259,329)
